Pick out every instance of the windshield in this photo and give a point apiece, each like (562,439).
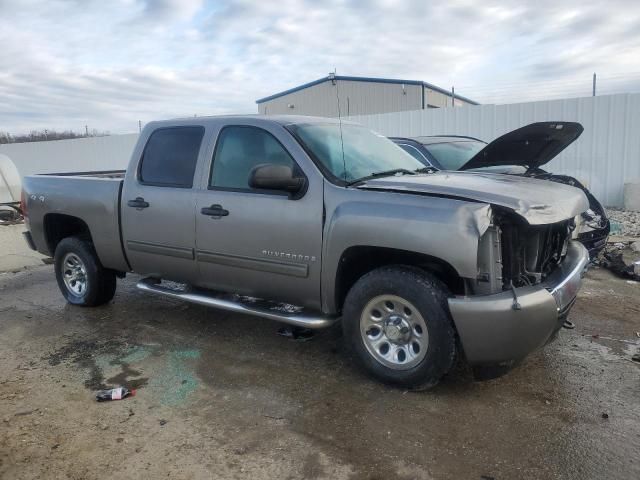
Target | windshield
(365,152)
(453,155)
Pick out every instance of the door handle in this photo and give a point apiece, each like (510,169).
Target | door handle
(215,211)
(138,203)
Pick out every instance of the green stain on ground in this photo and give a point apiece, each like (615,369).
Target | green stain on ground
(193,354)
(177,380)
(107,361)
(103,361)
(174,381)
(135,354)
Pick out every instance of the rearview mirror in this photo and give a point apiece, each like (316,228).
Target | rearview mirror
(269,176)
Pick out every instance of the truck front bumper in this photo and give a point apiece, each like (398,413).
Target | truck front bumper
(503,328)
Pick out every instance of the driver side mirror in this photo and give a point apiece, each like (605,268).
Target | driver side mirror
(269,176)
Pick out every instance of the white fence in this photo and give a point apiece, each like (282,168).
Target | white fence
(606,156)
(77,155)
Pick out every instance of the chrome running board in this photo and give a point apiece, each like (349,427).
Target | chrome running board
(240,304)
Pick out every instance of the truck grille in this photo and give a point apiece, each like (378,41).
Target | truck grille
(531,253)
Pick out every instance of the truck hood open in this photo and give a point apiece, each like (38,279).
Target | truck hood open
(531,146)
(539,202)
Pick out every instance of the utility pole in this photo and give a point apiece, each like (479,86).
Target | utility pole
(86,130)
(453,96)
(594,84)
(139,126)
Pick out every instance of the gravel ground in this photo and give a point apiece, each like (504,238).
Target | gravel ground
(223,396)
(628,221)
(15,255)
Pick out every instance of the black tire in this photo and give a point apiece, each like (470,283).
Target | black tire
(429,296)
(100,283)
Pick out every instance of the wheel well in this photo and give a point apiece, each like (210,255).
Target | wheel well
(58,226)
(357,261)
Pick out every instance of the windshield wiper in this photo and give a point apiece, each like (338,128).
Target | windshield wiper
(425,170)
(384,173)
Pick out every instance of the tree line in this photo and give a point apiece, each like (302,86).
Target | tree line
(46,135)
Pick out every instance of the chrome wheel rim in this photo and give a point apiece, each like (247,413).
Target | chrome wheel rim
(394,332)
(74,274)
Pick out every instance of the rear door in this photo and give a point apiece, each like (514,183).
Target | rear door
(256,242)
(157,211)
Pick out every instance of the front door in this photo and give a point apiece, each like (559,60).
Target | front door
(158,219)
(256,242)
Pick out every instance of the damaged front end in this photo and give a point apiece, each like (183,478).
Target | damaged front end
(513,253)
(593,226)
(531,252)
(528,279)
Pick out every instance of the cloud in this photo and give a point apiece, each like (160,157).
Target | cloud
(70,63)
(170,10)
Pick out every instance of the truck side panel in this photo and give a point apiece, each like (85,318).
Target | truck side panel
(438,227)
(94,201)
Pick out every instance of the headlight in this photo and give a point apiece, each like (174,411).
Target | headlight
(591,220)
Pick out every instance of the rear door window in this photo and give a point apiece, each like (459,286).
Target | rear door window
(170,157)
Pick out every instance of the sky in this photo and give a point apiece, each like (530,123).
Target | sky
(65,64)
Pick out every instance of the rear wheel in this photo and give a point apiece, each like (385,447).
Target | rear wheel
(81,277)
(397,322)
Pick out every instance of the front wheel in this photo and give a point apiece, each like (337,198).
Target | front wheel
(81,277)
(396,321)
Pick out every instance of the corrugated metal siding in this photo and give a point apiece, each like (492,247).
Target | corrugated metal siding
(77,155)
(319,100)
(606,156)
(356,98)
(367,97)
(436,99)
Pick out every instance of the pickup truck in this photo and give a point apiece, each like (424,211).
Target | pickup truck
(313,221)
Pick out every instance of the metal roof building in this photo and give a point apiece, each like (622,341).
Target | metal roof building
(358,96)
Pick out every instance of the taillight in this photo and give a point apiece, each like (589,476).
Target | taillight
(23,204)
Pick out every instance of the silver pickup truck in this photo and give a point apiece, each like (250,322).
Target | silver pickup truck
(309,221)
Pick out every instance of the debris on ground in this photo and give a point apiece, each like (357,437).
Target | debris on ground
(624,222)
(614,262)
(296,333)
(622,260)
(605,415)
(636,358)
(118,393)
(163,422)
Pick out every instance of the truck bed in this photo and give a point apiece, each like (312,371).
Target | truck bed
(90,197)
(91,174)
